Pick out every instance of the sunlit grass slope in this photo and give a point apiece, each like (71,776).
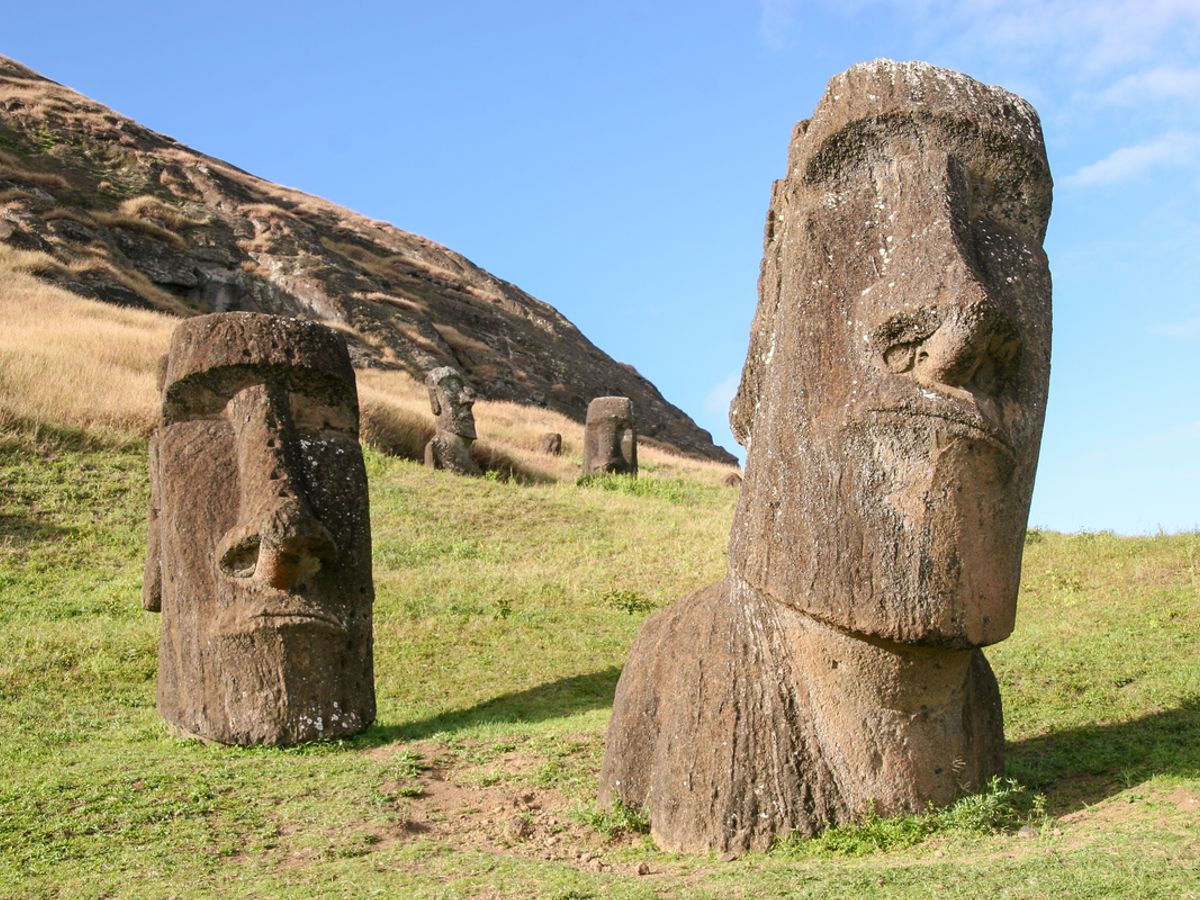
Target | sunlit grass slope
(504,613)
(505,610)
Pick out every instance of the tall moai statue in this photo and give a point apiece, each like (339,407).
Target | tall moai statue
(451,399)
(259,556)
(891,406)
(609,437)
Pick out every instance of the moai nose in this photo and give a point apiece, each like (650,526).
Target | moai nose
(278,538)
(972,350)
(294,547)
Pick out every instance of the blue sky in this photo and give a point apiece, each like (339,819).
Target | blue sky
(615,160)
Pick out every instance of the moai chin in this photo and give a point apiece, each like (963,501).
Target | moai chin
(451,399)
(259,556)
(891,405)
(609,437)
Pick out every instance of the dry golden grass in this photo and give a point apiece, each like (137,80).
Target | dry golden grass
(11,194)
(40,179)
(151,207)
(70,362)
(144,226)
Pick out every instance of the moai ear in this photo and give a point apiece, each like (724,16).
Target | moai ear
(161,374)
(434,402)
(152,575)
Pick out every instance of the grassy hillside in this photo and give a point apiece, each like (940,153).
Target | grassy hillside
(504,613)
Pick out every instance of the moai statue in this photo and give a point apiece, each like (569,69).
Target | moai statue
(609,437)
(259,554)
(891,405)
(551,443)
(451,399)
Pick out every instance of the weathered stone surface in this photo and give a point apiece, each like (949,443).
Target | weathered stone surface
(891,406)
(451,399)
(259,555)
(551,443)
(197,233)
(609,437)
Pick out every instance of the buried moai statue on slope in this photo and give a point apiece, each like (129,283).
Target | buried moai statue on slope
(891,405)
(259,555)
(609,437)
(451,399)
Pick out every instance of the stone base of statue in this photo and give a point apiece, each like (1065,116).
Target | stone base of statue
(452,453)
(738,719)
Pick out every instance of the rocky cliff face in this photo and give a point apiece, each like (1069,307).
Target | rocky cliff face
(123,214)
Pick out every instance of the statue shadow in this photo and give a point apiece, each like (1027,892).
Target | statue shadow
(1080,766)
(23,531)
(553,700)
(491,458)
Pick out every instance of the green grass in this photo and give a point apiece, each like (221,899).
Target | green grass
(503,616)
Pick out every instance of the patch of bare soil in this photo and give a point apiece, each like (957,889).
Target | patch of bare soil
(462,808)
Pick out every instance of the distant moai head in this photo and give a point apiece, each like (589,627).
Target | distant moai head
(551,443)
(610,439)
(451,399)
(259,542)
(895,386)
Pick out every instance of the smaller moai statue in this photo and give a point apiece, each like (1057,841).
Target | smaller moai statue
(451,399)
(610,439)
(551,443)
(259,539)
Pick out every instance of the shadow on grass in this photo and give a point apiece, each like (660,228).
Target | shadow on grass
(23,531)
(553,700)
(1081,766)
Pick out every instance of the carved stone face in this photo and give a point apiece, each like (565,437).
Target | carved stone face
(610,440)
(451,399)
(893,398)
(260,545)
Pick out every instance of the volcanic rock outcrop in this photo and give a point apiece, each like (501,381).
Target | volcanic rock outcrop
(117,212)
(451,399)
(609,437)
(259,555)
(891,404)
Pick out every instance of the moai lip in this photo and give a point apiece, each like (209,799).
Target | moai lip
(891,405)
(259,556)
(610,437)
(451,398)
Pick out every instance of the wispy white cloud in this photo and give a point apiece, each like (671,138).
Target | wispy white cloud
(1161,83)
(1086,41)
(1186,329)
(776,19)
(1176,148)
(1185,434)
(721,395)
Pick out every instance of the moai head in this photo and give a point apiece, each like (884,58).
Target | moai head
(893,395)
(451,399)
(610,440)
(260,544)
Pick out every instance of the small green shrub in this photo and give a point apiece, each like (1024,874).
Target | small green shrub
(614,822)
(628,601)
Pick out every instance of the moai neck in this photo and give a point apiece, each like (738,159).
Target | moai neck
(897,725)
